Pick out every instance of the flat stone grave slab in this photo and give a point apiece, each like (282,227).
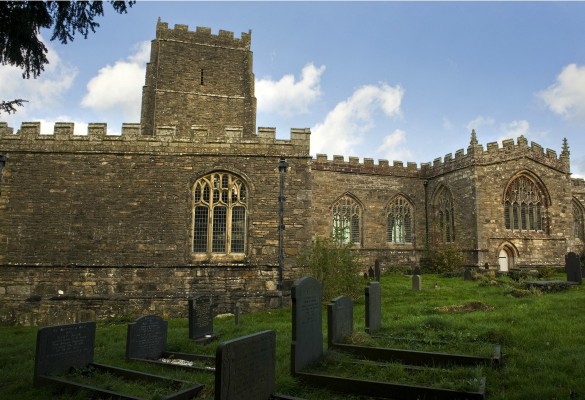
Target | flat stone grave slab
(63,348)
(201,319)
(146,340)
(373,294)
(307,348)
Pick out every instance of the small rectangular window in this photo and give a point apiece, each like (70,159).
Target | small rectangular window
(201,76)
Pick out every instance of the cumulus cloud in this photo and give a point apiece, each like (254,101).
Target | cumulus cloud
(118,87)
(48,126)
(514,129)
(287,96)
(480,122)
(566,96)
(347,124)
(43,93)
(394,146)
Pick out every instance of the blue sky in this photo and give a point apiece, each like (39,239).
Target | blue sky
(400,81)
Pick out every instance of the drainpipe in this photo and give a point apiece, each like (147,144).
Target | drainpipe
(282,166)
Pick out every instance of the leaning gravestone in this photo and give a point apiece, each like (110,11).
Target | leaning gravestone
(147,338)
(573,268)
(201,318)
(245,367)
(64,346)
(373,307)
(339,319)
(307,325)
(416,283)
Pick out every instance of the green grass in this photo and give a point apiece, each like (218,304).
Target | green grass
(542,338)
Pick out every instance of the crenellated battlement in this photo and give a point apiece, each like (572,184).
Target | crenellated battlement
(164,139)
(475,155)
(352,165)
(203,35)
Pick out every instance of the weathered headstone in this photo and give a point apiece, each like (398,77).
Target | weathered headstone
(201,318)
(339,319)
(486,266)
(373,307)
(245,367)
(307,333)
(365,275)
(146,338)
(64,346)
(377,271)
(237,313)
(416,282)
(573,267)
(371,273)
(416,270)
(467,276)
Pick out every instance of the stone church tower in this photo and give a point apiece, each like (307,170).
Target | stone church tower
(196,80)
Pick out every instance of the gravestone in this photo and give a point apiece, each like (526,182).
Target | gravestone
(307,325)
(573,267)
(373,307)
(146,338)
(237,313)
(245,367)
(339,319)
(467,276)
(377,270)
(64,346)
(486,266)
(201,318)
(416,282)
(416,270)
(371,273)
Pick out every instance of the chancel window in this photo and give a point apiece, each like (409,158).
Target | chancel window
(399,216)
(347,216)
(578,225)
(219,214)
(444,215)
(524,206)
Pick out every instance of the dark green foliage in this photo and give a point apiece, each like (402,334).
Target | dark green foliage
(334,265)
(10,106)
(444,258)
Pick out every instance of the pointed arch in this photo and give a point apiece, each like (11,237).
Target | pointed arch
(526,201)
(444,214)
(220,204)
(507,254)
(347,212)
(400,219)
(578,220)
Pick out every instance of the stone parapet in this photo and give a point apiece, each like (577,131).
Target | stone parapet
(165,140)
(203,35)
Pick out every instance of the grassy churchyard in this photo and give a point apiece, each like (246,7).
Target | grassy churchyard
(542,337)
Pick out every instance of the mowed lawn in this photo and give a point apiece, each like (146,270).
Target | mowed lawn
(542,336)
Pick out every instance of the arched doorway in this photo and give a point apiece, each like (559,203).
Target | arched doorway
(506,258)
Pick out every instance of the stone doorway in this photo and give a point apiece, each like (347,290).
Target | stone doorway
(506,258)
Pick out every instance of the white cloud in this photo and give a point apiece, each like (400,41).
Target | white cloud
(48,126)
(393,146)
(118,87)
(566,96)
(43,93)
(347,124)
(288,97)
(479,122)
(514,129)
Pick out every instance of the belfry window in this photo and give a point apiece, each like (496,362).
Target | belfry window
(444,215)
(219,214)
(524,206)
(399,216)
(347,216)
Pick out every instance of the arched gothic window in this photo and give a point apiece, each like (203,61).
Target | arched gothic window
(347,217)
(524,205)
(578,225)
(444,215)
(219,214)
(399,216)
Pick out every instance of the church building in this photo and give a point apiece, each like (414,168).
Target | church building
(189,201)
